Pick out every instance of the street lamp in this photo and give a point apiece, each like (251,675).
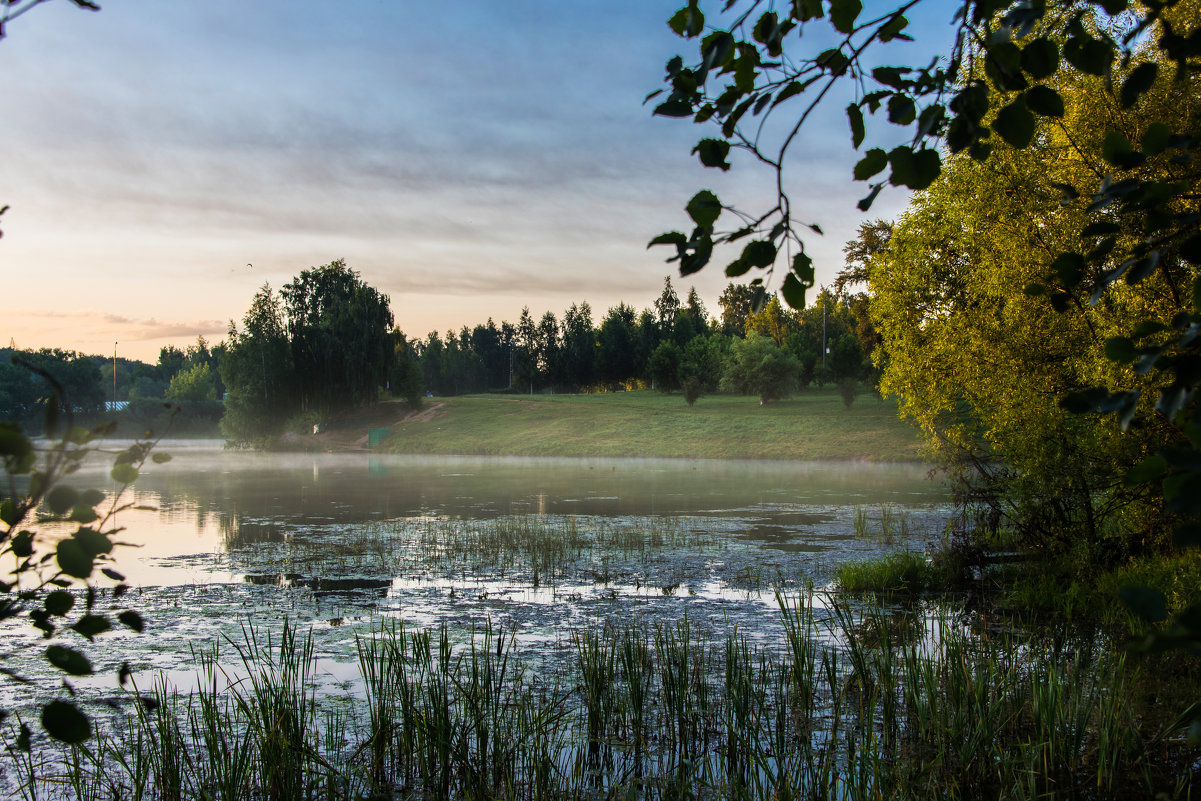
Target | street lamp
(114,375)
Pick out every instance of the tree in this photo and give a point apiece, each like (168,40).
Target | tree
(993,83)
(340,330)
(667,306)
(257,370)
(195,383)
(525,365)
(405,380)
(737,301)
(981,360)
(664,367)
(579,346)
(615,346)
(756,366)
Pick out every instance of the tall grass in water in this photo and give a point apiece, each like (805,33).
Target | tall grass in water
(854,702)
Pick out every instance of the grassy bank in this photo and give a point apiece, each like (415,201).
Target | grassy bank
(813,425)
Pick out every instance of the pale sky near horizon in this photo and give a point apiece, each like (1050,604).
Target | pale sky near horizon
(466,159)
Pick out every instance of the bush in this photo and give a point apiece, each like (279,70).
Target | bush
(904,572)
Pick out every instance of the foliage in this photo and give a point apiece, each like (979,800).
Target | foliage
(755,76)
(25,392)
(53,574)
(340,332)
(756,366)
(900,572)
(195,383)
(981,361)
(665,366)
(404,381)
(1133,210)
(257,370)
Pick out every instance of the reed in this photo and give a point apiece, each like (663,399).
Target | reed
(852,701)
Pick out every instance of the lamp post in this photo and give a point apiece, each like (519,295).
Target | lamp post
(114,375)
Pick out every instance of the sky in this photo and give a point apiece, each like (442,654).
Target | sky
(162,159)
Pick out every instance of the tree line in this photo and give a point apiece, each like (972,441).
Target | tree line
(670,346)
(327,341)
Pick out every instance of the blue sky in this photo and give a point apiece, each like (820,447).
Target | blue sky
(466,159)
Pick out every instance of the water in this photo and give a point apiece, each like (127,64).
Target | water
(543,546)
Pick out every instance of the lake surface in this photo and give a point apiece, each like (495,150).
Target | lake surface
(340,542)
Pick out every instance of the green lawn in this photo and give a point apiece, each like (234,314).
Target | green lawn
(812,425)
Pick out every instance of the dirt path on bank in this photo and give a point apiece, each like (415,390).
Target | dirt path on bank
(349,432)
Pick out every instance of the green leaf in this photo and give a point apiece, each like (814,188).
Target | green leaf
(873,162)
(1087,54)
(802,267)
(1040,58)
(91,625)
(59,602)
(1045,101)
(61,499)
(83,514)
(69,660)
(91,497)
(843,14)
(1116,148)
(8,512)
(793,291)
(670,238)
(22,545)
(737,267)
(767,28)
(1015,124)
(1003,67)
(1147,328)
(1069,267)
(704,208)
(688,21)
(131,619)
(1146,602)
(15,447)
(855,117)
(124,473)
(674,106)
(804,10)
(1155,138)
(914,169)
(892,29)
(759,253)
(713,153)
(1148,469)
(73,559)
(901,109)
(63,721)
(1140,79)
(93,542)
(161,458)
(1119,349)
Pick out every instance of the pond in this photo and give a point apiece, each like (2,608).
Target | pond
(353,625)
(342,540)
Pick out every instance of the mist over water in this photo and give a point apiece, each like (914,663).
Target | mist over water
(340,542)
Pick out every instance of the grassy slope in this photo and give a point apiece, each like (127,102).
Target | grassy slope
(813,425)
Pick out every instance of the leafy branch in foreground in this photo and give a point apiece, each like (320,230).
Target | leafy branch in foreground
(759,82)
(54,581)
(1136,208)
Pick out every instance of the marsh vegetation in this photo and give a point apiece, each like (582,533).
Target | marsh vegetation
(322,627)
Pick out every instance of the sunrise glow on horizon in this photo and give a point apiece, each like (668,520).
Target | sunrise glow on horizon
(165,159)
